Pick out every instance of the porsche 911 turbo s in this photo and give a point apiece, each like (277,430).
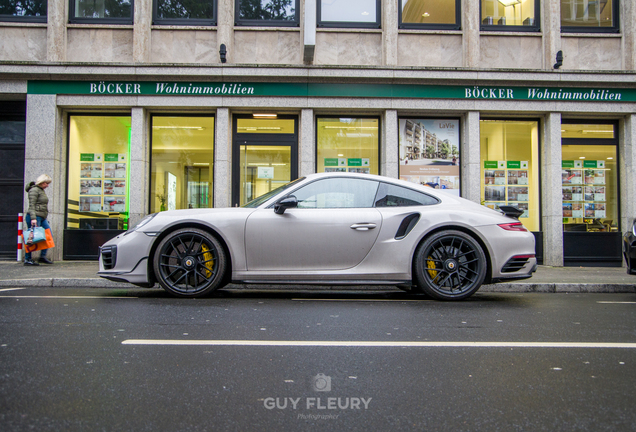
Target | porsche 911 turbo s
(328,228)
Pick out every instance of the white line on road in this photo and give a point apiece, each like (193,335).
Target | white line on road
(10,289)
(615,302)
(360,300)
(415,344)
(68,297)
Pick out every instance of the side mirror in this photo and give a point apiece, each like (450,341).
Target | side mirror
(285,203)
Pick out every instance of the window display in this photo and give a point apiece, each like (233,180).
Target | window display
(348,145)
(510,173)
(429,153)
(98,172)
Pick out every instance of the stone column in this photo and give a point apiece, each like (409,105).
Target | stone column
(627,16)
(470,157)
(627,159)
(225,27)
(45,153)
(389,146)
(223,158)
(139,160)
(142,31)
(551,28)
(470,24)
(56,30)
(389,32)
(551,209)
(307,143)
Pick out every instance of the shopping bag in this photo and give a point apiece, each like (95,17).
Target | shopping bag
(38,234)
(47,243)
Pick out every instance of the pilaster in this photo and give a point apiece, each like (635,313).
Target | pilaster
(551,205)
(470,157)
(389,163)
(223,158)
(307,143)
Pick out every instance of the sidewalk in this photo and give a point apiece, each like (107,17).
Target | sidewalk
(547,279)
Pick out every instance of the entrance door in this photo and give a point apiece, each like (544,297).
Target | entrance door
(264,155)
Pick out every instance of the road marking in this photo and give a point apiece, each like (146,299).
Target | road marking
(615,302)
(420,344)
(10,289)
(68,297)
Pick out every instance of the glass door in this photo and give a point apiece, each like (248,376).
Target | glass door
(265,156)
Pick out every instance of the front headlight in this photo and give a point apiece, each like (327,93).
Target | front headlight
(141,223)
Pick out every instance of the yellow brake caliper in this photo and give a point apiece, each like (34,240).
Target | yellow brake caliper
(430,264)
(209,260)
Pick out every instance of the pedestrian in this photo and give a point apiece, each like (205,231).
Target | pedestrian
(37,213)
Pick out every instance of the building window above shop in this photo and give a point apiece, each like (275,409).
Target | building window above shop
(279,13)
(101,11)
(184,12)
(349,13)
(23,10)
(423,14)
(510,15)
(348,145)
(589,16)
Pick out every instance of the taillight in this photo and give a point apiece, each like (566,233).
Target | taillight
(514,226)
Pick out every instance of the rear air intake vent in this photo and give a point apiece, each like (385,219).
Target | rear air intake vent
(407,225)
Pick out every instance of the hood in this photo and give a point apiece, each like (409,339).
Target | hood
(30,186)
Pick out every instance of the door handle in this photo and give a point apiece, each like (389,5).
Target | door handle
(363,226)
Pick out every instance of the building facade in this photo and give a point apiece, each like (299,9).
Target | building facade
(137,106)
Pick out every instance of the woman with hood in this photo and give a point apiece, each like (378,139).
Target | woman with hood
(38,211)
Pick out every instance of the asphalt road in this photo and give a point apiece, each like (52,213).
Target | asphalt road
(138,360)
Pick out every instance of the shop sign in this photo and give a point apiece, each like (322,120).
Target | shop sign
(331,162)
(186,88)
(91,157)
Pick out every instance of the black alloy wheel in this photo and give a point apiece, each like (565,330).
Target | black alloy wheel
(450,265)
(190,263)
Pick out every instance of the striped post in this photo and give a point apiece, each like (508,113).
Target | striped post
(19,236)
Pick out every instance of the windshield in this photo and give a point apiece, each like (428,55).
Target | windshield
(261,199)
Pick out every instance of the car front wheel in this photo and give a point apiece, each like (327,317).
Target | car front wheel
(190,263)
(450,265)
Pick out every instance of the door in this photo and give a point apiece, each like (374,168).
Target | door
(333,228)
(264,155)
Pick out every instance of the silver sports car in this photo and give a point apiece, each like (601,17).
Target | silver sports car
(334,228)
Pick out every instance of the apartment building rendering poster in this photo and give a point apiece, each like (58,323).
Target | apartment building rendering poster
(429,153)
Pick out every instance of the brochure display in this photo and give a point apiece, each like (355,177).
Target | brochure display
(429,153)
(583,189)
(102,182)
(506,183)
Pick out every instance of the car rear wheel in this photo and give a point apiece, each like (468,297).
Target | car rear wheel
(450,265)
(190,263)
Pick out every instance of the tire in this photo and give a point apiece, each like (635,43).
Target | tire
(190,262)
(449,265)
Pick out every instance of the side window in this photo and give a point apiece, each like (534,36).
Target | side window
(25,11)
(179,12)
(102,12)
(349,13)
(337,193)
(395,196)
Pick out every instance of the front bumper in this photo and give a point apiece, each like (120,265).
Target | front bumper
(125,258)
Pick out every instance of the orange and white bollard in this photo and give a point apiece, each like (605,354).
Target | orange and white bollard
(19,236)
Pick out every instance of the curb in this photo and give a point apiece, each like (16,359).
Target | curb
(498,288)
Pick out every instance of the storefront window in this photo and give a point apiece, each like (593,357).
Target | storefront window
(182,163)
(589,178)
(265,147)
(193,12)
(349,13)
(348,145)
(281,13)
(23,10)
(442,14)
(98,172)
(103,11)
(516,15)
(510,167)
(589,15)
(429,153)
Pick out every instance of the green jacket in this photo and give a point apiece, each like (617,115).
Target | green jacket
(38,201)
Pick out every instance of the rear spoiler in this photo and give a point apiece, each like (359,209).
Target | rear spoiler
(511,211)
